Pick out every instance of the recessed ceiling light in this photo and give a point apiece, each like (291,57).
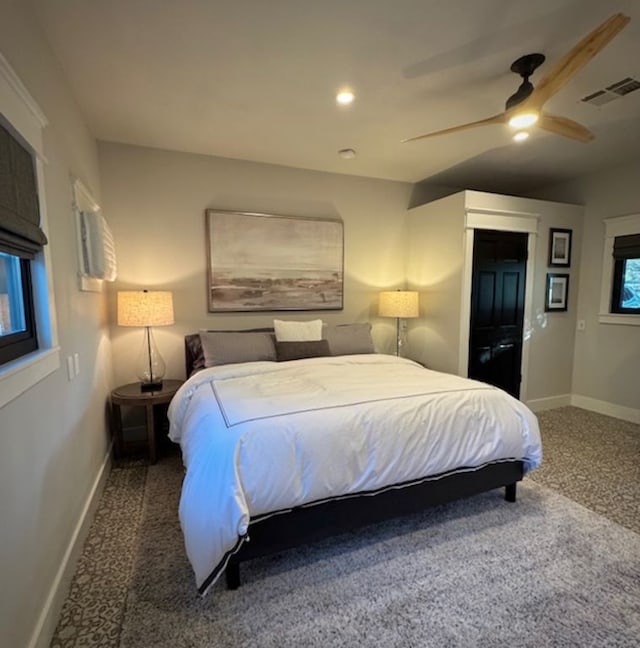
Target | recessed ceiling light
(347,154)
(523,120)
(345,97)
(520,136)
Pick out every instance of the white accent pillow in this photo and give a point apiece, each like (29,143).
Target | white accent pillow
(297,331)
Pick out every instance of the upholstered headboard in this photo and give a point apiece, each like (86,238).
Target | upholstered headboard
(342,339)
(193,357)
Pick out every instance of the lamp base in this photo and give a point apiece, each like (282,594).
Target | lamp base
(151,386)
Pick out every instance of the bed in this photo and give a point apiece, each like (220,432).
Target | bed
(287,443)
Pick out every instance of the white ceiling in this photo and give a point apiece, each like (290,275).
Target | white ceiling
(256,80)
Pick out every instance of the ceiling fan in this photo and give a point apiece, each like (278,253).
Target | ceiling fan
(524,107)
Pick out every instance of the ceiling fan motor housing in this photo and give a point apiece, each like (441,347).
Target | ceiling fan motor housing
(525,66)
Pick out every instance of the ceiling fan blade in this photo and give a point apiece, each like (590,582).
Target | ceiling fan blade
(576,59)
(565,127)
(496,119)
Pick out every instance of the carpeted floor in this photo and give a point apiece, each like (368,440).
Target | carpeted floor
(543,572)
(594,460)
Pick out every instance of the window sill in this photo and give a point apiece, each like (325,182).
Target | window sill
(20,375)
(618,318)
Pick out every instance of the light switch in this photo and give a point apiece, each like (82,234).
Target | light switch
(582,325)
(76,363)
(70,372)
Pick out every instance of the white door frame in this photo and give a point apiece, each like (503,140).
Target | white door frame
(506,222)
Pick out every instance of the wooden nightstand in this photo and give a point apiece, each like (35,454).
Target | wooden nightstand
(131,396)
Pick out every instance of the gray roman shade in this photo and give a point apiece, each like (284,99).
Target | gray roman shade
(20,232)
(626,247)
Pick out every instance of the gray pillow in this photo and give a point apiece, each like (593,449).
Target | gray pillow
(302,349)
(347,339)
(221,347)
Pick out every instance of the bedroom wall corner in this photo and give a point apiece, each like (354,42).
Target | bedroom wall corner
(53,437)
(606,356)
(551,335)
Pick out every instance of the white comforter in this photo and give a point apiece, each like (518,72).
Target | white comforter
(260,437)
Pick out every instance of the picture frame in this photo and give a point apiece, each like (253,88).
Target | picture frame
(271,262)
(557,292)
(559,247)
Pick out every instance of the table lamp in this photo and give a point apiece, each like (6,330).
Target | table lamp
(147,308)
(400,304)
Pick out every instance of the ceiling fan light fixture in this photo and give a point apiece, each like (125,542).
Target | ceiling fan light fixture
(521,136)
(523,119)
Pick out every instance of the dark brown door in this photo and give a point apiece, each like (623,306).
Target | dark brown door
(497,308)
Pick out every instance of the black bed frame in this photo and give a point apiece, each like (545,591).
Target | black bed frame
(305,524)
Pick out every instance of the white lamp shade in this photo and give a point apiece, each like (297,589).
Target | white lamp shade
(398,303)
(145,308)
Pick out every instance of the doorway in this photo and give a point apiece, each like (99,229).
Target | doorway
(497,308)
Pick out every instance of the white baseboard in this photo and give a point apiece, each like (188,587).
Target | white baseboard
(550,402)
(46,625)
(609,409)
(591,404)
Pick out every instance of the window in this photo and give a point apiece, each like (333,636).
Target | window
(17,326)
(620,293)
(26,257)
(625,292)
(21,239)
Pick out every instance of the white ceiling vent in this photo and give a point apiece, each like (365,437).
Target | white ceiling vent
(612,92)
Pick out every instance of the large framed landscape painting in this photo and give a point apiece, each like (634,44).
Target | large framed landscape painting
(267,262)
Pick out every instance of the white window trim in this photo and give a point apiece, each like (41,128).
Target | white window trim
(16,377)
(615,226)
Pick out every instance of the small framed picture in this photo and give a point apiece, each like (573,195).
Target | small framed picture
(559,247)
(557,294)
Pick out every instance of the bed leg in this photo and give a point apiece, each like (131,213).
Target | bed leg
(510,492)
(232,574)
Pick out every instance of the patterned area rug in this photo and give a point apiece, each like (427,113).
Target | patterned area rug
(93,611)
(544,571)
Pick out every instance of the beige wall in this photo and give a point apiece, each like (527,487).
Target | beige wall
(436,265)
(53,438)
(435,258)
(552,335)
(607,356)
(155,201)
